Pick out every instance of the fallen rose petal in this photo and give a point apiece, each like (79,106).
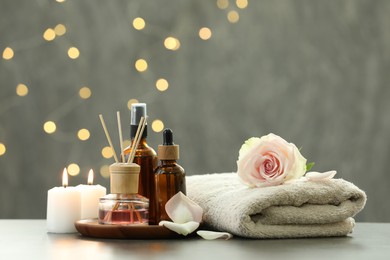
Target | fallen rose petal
(211,235)
(319,176)
(182,210)
(183,229)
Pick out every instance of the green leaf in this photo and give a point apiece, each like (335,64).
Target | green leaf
(309,166)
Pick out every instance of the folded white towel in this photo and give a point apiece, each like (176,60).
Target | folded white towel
(299,209)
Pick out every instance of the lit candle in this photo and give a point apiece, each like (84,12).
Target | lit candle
(90,195)
(63,207)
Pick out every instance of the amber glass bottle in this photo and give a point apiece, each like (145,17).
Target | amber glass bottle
(169,176)
(145,157)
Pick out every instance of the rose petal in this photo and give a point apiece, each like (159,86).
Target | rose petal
(181,209)
(182,229)
(211,235)
(319,176)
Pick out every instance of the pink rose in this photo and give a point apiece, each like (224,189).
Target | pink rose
(268,161)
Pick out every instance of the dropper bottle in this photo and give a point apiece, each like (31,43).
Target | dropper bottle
(169,176)
(145,157)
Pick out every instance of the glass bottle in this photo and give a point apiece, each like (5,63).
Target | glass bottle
(169,176)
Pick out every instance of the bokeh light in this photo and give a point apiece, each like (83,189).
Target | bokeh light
(139,23)
(83,134)
(157,125)
(233,16)
(141,65)
(85,92)
(21,90)
(242,4)
(172,43)
(73,53)
(60,29)
(104,171)
(205,33)
(223,4)
(162,84)
(49,127)
(49,34)
(131,101)
(3,149)
(73,169)
(107,152)
(8,53)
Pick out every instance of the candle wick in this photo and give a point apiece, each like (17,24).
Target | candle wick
(65,186)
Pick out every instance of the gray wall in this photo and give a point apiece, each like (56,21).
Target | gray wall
(313,72)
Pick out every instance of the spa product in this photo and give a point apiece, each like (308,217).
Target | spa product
(169,176)
(124,206)
(145,157)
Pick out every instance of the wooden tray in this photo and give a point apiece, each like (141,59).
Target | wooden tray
(91,228)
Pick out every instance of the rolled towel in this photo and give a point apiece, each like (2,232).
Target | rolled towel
(298,209)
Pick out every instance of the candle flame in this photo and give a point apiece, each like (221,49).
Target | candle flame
(90,177)
(65,178)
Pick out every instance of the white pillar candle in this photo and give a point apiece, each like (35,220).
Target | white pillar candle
(63,207)
(90,195)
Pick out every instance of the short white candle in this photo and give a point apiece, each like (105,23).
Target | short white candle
(90,195)
(63,207)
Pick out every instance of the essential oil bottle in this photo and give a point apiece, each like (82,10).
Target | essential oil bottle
(145,157)
(124,206)
(169,176)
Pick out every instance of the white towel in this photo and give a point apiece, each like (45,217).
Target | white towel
(299,209)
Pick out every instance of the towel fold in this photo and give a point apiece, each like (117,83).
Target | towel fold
(298,209)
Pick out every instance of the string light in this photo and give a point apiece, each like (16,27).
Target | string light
(8,53)
(141,65)
(49,127)
(233,16)
(104,171)
(107,152)
(172,43)
(85,92)
(131,101)
(157,125)
(223,4)
(242,4)
(60,29)
(83,134)
(139,23)
(49,34)
(205,33)
(21,90)
(73,169)
(162,84)
(3,149)
(73,53)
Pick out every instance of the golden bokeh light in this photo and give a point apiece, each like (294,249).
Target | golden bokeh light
(83,134)
(172,43)
(104,171)
(223,4)
(73,53)
(233,16)
(8,53)
(141,65)
(49,127)
(126,143)
(242,4)
(73,169)
(205,33)
(157,125)
(49,34)
(21,90)
(139,23)
(107,152)
(3,149)
(131,101)
(60,29)
(60,1)
(85,92)
(162,84)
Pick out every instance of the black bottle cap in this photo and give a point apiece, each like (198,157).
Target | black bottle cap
(167,137)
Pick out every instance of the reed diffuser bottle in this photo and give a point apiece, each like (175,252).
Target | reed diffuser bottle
(169,176)
(145,157)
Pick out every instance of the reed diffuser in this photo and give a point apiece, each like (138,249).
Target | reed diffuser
(124,206)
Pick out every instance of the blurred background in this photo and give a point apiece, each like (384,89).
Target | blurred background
(215,71)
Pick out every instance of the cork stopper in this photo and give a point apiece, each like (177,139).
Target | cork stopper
(124,178)
(168,150)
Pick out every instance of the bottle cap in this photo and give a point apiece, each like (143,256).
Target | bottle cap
(168,150)
(124,178)
(138,110)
